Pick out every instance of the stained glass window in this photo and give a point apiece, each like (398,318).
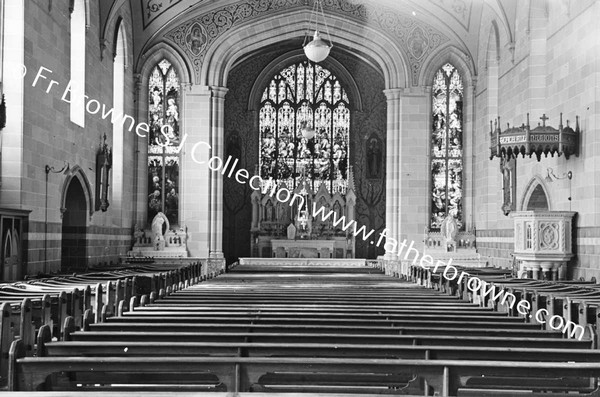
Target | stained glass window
(301,97)
(163,140)
(447,147)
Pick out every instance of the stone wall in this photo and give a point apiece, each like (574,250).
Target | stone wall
(554,70)
(50,138)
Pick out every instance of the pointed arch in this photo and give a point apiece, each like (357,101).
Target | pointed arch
(120,13)
(78,173)
(500,11)
(120,47)
(296,56)
(159,52)
(450,54)
(367,43)
(493,45)
(531,190)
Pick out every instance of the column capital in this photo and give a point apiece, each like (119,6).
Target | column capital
(186,87)
(219,92)
(393,93)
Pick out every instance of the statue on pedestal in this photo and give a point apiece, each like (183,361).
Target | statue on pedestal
(158,240)
(449,229)
(138,235)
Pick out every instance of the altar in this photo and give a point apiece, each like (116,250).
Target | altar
(309,248)
(294,228)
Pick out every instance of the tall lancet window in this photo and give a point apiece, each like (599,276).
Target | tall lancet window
(300,99)
(447,147)
(163,140)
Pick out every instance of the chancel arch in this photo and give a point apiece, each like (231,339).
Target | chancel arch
(366,43)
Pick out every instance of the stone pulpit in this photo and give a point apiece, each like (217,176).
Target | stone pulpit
(543,243)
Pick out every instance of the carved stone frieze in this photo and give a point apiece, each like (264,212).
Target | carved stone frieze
(195,36)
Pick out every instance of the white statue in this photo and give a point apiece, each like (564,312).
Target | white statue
(449,229)
(158,240)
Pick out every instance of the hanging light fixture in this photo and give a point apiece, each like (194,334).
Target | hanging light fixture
(317,50)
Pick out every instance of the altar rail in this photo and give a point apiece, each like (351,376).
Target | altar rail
(281,262)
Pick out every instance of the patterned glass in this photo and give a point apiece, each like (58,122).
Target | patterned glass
(446,147)
(164,138)
(303,96)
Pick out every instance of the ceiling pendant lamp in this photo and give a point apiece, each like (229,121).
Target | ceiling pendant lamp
(317,49)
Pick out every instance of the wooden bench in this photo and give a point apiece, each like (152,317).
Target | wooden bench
(237,374)
(429,352)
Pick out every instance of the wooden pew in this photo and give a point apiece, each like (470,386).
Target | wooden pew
(237,374)
(30,305)
(431,352)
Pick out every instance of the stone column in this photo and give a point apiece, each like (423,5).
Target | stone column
(408,168)
(140,171)
(195,177)
(392,163)
(217,134)
(469,171)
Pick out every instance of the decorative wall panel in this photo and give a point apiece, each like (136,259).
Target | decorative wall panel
(416,38)
(152,9)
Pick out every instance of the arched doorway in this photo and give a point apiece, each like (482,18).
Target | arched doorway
(74,229)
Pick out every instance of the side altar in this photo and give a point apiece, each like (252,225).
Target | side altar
(299,222)
(160,241)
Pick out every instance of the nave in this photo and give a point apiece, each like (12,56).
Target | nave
(313,330)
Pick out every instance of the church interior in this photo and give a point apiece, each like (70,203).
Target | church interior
(300,197)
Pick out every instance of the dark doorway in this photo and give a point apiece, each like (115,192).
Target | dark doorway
(73,254)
